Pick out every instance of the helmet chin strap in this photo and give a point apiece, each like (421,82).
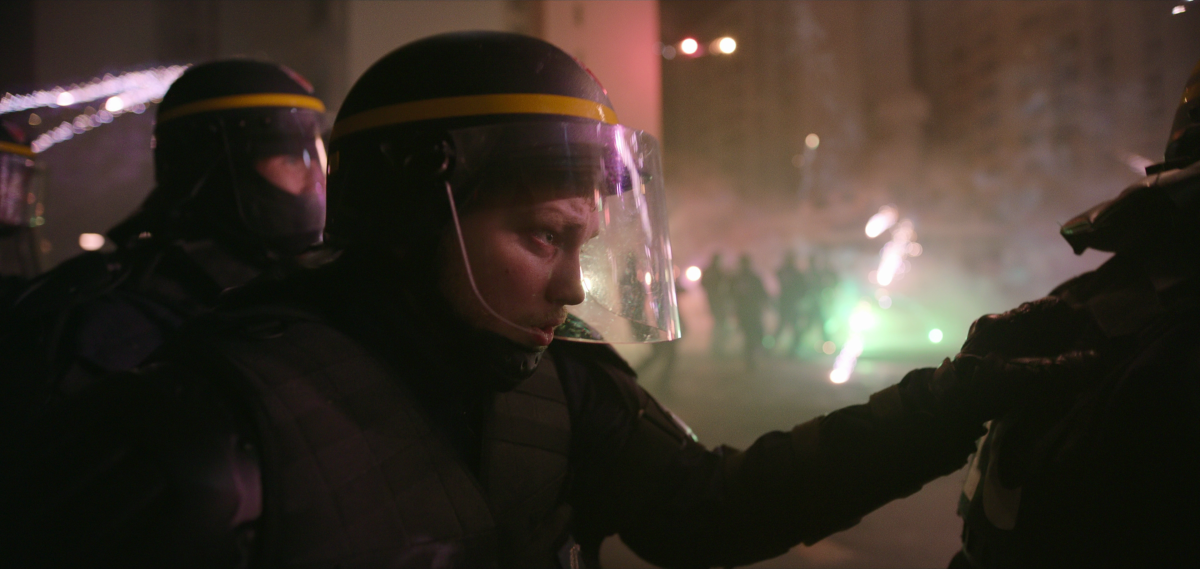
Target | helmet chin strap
(462,246)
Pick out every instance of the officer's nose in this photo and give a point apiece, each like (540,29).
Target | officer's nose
(566,282)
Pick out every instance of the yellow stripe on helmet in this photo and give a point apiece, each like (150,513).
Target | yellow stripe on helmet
(243,102)
(13,148)
(474,105)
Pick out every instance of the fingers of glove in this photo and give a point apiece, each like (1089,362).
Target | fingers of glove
(974,389)
(1068,369)
(1040,327)
(999,384)
(990,386)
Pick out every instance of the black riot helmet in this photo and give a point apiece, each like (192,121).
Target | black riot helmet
(445,123)
(238,158)
(1183,147)
(1160,211)
(16,174)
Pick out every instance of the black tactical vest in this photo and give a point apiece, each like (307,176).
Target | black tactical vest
(354,475)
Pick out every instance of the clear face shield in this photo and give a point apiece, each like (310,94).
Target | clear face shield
(281,196)
(16,197)
(582,221)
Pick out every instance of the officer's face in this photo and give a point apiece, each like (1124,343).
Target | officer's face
(524,257)
(296,174)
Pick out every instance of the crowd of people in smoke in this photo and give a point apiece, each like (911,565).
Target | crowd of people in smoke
(738,301)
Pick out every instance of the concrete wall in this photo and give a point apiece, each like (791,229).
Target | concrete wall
(618,41)
(376,27)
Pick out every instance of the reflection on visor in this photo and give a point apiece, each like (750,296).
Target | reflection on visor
(570,160)
(295,173)
(625,271)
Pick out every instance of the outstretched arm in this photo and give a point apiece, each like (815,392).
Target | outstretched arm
(677,503)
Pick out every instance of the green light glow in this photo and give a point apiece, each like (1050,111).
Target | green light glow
(863,318)
(935,335)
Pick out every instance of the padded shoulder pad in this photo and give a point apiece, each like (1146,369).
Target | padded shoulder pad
(77,278)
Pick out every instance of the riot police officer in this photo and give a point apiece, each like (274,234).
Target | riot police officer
(793,288)
(715,282)
(240,170)
(443,394)
(1105,477)
(18,247)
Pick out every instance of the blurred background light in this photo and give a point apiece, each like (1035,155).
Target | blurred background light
(863,318)
(101,88)
(91,241)
(693,273)
(726,45)
(881,221)
(689,46)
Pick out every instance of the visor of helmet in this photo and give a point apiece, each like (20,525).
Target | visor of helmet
(279,167)
(625,267)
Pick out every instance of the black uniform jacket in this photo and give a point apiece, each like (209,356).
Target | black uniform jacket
(103,312)
(256,427)
(1104,477)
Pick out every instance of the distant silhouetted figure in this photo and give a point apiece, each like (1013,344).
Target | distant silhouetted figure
(821,281)
(749,301)
(715,282)
(793,286)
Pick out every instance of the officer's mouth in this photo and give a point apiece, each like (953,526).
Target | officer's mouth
(544,334)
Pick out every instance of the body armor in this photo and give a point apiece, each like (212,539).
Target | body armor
(364,478)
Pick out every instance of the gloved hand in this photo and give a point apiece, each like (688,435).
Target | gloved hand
(971,389)
(1044,328)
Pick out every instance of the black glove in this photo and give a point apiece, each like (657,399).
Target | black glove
(972,389)
(1043,328)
